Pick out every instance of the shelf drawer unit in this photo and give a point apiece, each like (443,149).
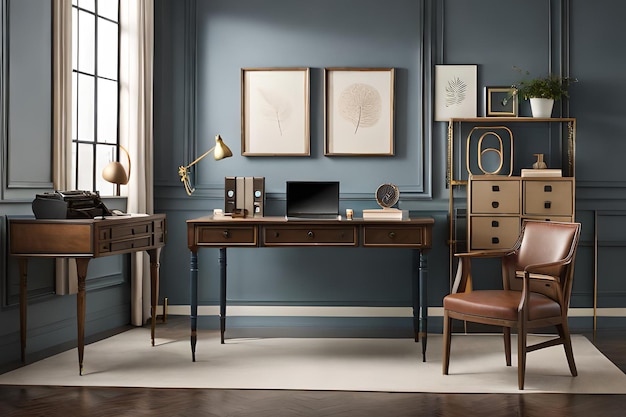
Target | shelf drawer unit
(549,198)
(497,207)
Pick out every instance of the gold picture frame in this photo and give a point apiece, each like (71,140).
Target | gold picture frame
(275,114)
(359,111)
(501,102)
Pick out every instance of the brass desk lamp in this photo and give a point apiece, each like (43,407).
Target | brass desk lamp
(221,151)
(115,172)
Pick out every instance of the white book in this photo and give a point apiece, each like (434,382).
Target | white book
(546,172)
(385,214)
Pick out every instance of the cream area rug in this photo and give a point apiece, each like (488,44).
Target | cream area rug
(394,365)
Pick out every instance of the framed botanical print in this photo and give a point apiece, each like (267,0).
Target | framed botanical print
(275,112)
(359,111)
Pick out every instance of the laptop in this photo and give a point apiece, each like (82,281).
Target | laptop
(312,200)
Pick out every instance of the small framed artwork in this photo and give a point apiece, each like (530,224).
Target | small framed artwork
(275,112)
(359,111)
(455,91)
(500,102)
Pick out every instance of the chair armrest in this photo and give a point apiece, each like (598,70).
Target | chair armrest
(492,253)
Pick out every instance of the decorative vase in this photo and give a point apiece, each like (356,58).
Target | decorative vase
(541,107)
(540,164)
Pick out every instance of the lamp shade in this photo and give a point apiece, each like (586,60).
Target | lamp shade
(221,150)
(115,172)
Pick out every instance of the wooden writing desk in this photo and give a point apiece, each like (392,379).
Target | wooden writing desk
(84,240)
(225,232)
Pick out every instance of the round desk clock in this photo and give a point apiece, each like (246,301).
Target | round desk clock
(387,195)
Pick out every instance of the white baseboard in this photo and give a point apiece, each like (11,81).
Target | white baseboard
(335,311)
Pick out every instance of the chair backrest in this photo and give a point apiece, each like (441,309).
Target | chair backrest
(544,242)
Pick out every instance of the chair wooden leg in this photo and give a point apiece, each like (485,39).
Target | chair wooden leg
(567,345)
(507,344)
(447,329)
(521,354)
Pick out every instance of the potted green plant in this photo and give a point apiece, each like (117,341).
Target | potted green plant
(543,92)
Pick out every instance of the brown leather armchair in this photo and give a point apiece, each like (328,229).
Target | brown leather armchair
(537,278)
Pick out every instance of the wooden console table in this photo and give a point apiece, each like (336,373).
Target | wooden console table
(225,232)
(84,240)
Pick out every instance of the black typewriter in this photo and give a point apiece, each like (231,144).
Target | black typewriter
(69,205)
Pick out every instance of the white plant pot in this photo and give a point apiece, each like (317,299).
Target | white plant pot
(541,107)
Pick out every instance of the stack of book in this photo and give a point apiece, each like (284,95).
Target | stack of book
(385,214)
(545,172)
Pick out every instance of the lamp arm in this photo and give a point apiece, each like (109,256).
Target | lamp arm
(128,158)
(183,171)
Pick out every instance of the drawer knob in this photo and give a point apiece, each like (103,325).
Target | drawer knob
(495,223)
(276,234)
(310,234)
(226,234)
(495,240)
(495,204)
(547,204)
(392,235)
(495,188)
(547,188)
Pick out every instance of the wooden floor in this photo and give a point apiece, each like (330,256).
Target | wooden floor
(95,402)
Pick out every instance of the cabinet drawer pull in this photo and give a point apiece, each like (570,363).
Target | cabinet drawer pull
(547,204)
(392,235)
(276,234)
(495,240)
(226,234)
(495,204)
(495,188)
(495,223)
(547,188)
(310,234)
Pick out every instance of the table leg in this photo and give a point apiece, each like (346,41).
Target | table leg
(415,293)
(222,261)
(154,287)
(81,269)
(193,280)
(423,290)
(23,305)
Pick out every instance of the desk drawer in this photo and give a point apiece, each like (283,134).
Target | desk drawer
(414,236)
(310,235)
(124,245)
(220,236)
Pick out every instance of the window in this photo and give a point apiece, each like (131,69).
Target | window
(95,92)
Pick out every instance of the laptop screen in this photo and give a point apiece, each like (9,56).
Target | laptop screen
(313,199)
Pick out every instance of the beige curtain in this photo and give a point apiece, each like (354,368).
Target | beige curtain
(136,76)
(62,120)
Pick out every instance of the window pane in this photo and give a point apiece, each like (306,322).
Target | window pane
(86,42)
(104,155)
(108,9)
(73,181)
(107,111)
(74,39)
(74,105)
(85,167)
(107,49)
(87,4)
(85,112)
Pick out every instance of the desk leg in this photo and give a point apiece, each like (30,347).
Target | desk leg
(193,280)
(416,294)
(423,293)
(81,269)
(23,304)
(154,287)
(222,261)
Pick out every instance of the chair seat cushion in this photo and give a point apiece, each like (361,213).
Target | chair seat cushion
(500,304)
